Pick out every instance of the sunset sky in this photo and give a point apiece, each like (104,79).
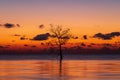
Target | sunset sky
(83,17)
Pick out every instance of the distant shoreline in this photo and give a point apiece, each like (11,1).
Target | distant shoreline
(56,57)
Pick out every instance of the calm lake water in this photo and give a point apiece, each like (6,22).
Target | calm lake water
(53,70)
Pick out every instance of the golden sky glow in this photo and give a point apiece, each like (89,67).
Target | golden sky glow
(83,17)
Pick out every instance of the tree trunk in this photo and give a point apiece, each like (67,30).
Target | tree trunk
(61,56)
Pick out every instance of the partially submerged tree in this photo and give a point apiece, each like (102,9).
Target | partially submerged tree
(61,36)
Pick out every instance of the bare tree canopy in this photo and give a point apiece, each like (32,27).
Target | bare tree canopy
(62,35)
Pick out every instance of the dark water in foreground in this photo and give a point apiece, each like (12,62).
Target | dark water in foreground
(51,70)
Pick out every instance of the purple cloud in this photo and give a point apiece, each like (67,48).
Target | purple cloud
(108,36)
(42,37)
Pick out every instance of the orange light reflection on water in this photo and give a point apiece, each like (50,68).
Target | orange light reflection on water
(50,69)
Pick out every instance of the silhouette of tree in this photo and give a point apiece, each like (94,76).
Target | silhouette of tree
(60,35)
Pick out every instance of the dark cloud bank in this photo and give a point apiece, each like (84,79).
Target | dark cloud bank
(41,26)
(10,25)
(107,36)
(85,37)
(42,37)
(17,35)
